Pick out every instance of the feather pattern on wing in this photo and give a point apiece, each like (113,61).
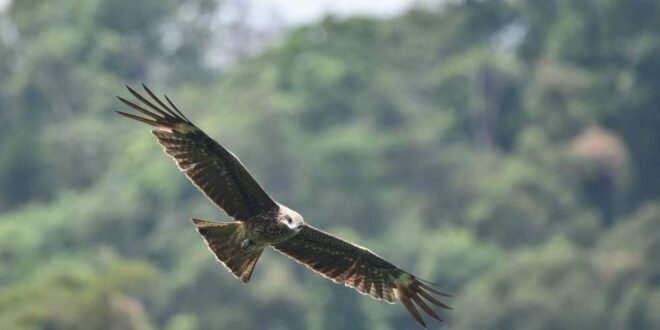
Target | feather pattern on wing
(361,269)
(217,172)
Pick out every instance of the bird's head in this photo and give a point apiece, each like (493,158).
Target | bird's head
(291,219)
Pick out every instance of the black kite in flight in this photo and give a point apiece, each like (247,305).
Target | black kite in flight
(262,222)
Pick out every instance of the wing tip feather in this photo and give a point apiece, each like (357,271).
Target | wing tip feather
(411,289)
(404,295)
(161,113)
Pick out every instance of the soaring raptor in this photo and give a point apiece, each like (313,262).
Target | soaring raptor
(262,222)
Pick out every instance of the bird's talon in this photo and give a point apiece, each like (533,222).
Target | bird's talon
(247,245)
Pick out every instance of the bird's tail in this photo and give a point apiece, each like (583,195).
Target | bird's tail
(225,239)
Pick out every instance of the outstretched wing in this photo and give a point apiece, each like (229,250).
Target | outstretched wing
(359,268)
(213,169)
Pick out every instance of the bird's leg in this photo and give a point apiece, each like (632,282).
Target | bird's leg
(247,245)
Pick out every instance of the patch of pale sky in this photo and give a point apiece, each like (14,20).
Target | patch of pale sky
(3,5)
(297,12)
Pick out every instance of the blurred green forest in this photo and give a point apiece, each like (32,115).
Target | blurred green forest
(506,149)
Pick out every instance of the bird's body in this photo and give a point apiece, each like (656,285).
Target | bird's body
(273,227)
(262,222)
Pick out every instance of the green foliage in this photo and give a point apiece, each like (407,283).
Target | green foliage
(93,291)
(507,150)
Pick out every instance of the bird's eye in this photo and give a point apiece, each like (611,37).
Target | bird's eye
(288,219)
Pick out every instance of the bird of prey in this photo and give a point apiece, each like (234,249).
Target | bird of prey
(262,222)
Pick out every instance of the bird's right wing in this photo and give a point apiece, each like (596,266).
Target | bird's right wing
(217,172)
(361,269)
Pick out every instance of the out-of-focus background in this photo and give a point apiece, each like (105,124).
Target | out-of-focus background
(506,149)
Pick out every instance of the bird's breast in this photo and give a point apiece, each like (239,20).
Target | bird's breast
(268,231)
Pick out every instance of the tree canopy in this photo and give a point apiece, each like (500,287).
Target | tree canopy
(507,150)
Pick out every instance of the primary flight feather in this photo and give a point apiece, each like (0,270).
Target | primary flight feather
(262,222)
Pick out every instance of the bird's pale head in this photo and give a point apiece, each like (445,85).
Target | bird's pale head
(290,218)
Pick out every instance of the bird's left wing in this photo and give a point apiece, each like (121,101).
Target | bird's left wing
(361,269)
(217,172)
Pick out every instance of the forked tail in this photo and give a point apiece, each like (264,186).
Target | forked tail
(224,239)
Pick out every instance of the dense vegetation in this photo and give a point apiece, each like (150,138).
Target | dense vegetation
(507,150)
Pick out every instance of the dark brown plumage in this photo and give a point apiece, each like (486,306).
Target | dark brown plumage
(262,222)
(359,268)
(217,172)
